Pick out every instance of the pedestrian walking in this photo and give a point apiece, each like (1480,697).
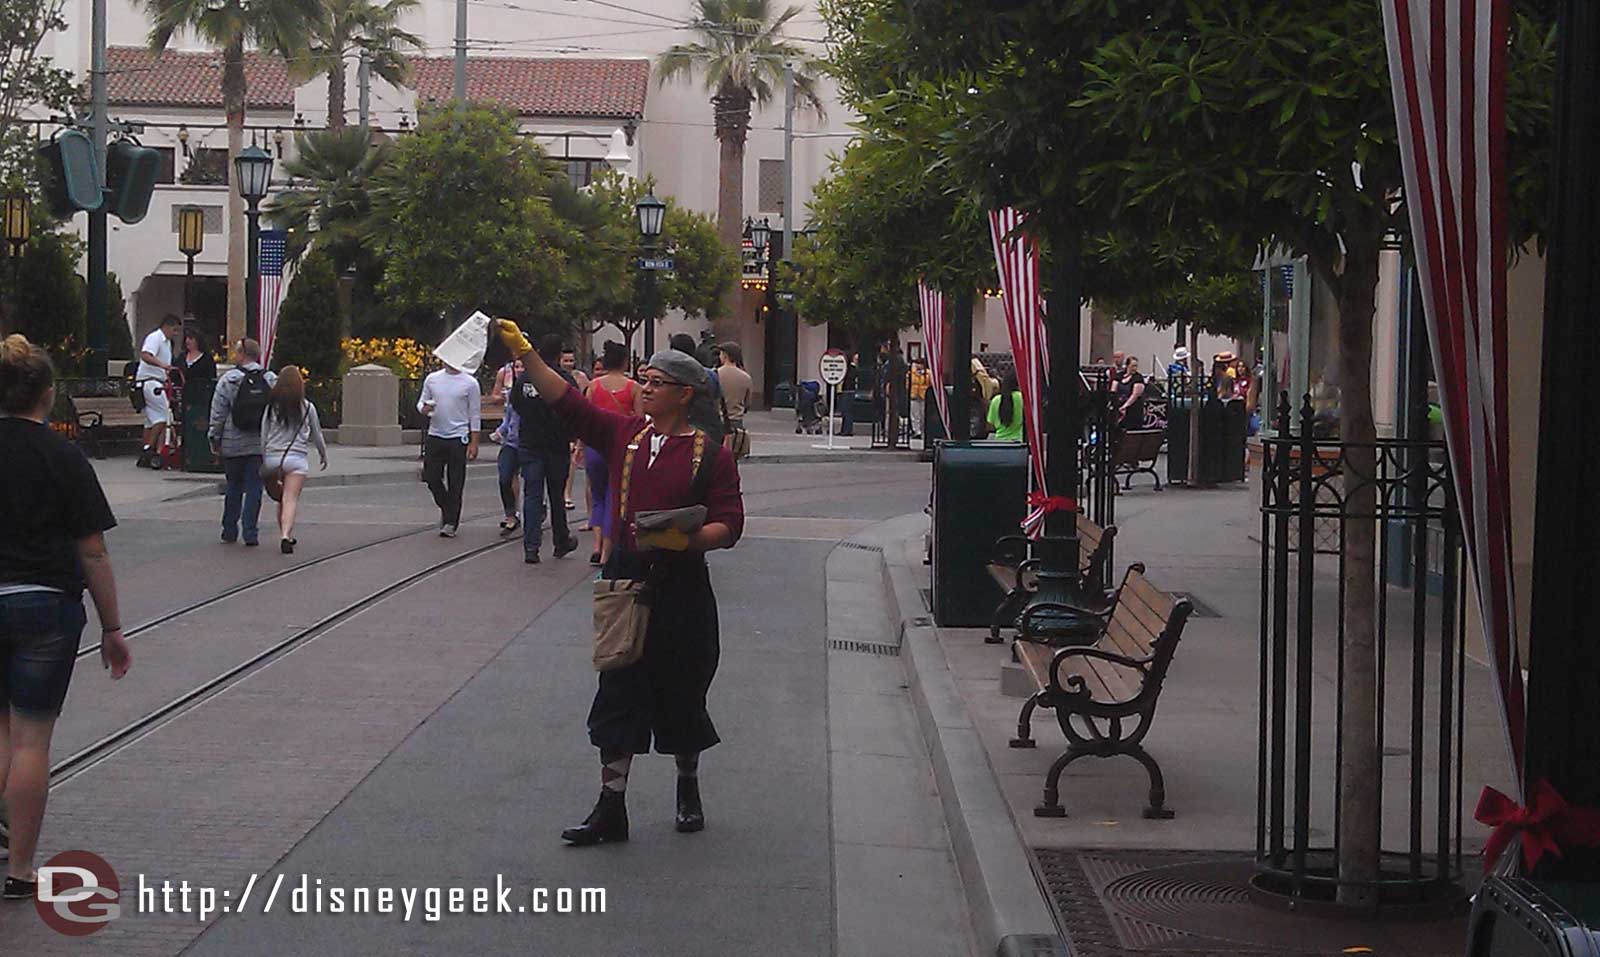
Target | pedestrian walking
(237,405)
(569,365)
(545,455)
(155,364)
(920,382)
(508,464)
(737,386)
(53,519)
(289,429)
(612,391)
(657,464)
(454,406)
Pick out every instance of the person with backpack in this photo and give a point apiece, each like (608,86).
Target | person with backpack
(237,405)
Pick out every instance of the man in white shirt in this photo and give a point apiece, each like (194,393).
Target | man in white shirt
(454,404)
(155,361)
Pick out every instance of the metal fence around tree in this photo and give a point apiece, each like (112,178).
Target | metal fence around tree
(1308,485)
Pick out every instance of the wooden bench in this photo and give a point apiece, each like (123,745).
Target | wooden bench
(1013,570)
(1106,685)
(1135,452)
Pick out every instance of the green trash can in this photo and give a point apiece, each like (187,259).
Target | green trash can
(980,492)
(194,420)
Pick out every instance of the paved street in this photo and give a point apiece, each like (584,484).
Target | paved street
(436,739)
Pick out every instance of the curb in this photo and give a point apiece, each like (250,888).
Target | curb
(1008,908)
(813,458)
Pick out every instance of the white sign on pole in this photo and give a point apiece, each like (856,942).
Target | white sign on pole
(833,367)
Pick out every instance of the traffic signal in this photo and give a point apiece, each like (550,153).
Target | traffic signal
(71,175)
(131,172)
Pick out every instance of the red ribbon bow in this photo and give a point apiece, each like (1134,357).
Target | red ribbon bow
(1051,503)
(1546,825)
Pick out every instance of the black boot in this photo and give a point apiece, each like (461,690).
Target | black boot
(691,817)
(607,823)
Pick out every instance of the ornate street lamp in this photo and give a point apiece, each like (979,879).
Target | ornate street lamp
(651,213)
(191,240)
(253,172)
(18,225)
(760,235)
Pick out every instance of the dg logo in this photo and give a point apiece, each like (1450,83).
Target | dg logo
(78,893)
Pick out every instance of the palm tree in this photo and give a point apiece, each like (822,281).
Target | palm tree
(328,199)
(742,54)
(346,27)
(280,26)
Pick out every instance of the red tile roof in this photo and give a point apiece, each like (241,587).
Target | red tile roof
(542,87)
(141,78)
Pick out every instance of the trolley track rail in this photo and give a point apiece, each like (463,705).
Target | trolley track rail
(108,745)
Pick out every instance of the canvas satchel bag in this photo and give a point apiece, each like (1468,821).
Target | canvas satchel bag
(622,606)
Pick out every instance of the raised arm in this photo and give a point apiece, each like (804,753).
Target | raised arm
(547,381)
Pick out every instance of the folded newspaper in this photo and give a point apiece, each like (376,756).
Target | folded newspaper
(464,349)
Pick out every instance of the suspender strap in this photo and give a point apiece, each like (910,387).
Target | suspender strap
(700,474)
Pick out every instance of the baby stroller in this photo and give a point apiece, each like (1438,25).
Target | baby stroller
(808,408)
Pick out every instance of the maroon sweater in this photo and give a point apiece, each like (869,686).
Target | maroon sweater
(666,484)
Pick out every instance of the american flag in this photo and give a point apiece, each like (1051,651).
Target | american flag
(1447,70)
(274,246)
(932,302)
(1017,262)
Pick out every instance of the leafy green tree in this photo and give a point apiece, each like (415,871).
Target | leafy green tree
(1272,124)
(611,289)
(346,28)
(462,218)
(119,338)
(28,80)
(47,297)
(281,26)
(309,326)
(740,51)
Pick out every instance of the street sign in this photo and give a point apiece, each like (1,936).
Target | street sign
(785,297)
(833,367)
(655,264)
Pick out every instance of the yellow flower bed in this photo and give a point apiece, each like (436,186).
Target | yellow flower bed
(407,358)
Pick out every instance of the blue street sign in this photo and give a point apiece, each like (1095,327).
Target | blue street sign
(655,264)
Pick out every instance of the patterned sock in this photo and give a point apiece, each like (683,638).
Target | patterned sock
(689,765)
(614,772)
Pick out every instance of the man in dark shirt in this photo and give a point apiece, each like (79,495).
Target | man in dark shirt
(543,450)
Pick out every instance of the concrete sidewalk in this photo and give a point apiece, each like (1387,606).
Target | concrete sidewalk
(1205,732)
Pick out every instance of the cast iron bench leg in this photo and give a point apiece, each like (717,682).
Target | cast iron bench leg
(1051,805)
(1158,810)
(1024,738)
(1005,616)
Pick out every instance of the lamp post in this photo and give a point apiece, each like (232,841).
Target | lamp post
(253,172)
(18,227)
(191,240)
(651,213)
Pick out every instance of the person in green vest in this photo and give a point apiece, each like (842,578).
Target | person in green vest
(1005,411)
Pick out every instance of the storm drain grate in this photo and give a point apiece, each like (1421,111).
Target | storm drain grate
(864,647)
(876,549)
(1198,904)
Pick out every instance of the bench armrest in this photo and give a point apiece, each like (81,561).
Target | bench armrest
(1010,550)
(90,419)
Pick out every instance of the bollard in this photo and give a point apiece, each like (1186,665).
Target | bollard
(371,398)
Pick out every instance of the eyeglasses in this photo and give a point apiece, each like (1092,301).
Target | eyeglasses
(656,382)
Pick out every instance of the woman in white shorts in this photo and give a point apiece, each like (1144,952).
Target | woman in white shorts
(289,428)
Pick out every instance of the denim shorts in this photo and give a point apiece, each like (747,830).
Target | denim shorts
(39,634)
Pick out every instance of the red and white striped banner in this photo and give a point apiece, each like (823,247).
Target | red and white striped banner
(273,260)
(1017,262)
(932,302)
(1447,67)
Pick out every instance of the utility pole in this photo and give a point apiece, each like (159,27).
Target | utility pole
(364,85)
(98,227)
(787,325)
(461,51)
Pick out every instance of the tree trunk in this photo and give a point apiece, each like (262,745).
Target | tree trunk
(233,93)
(336,76)
(1197,400)
(731,109)
(1102,335)
(1360,836)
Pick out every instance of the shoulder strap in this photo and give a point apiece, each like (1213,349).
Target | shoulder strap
(700,485)
(627,473)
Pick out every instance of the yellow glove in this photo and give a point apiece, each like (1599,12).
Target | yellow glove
(513,337)
(666,539)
